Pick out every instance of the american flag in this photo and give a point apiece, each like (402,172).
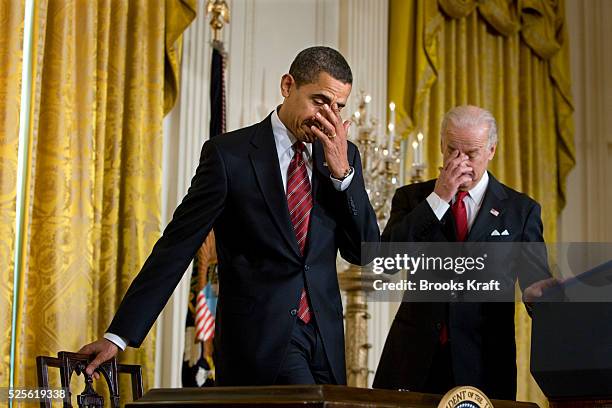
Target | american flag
(204,320)
(200,318)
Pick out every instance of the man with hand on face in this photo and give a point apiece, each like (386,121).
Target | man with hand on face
(283,195)
(433,347)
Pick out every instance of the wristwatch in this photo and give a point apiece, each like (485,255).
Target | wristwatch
(348,172)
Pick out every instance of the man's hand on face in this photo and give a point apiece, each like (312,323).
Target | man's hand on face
(103,350)
(455,172)
(333,139)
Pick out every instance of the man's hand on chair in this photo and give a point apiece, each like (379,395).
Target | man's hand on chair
(103,350)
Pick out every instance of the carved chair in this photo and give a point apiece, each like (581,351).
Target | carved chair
(70,363)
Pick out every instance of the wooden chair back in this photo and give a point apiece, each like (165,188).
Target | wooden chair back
(73,363)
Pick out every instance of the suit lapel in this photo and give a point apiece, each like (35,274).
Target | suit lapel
(318,171)
(449,230)
(318,167)
(493,199)
(264,159)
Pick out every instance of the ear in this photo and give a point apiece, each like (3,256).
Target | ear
(492,151)
(287,82)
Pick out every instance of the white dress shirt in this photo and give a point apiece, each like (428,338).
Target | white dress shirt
(119,341)
(284,141)
(473,201)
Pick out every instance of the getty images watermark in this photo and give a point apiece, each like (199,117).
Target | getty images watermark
(487,272)
(413,264)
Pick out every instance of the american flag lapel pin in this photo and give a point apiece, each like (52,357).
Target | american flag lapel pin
(494,212)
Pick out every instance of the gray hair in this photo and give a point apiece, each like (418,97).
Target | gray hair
(469,117)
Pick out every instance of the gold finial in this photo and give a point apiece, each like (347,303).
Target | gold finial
(219,16)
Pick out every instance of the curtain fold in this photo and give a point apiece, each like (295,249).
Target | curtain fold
(510,57)
(100,91)
(179,14)
(11,53)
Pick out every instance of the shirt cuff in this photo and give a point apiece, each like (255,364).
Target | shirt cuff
(119,341)
(438,205)
(343,184)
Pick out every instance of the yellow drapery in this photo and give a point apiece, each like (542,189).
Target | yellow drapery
(104,74)
(11,43)
(510,57)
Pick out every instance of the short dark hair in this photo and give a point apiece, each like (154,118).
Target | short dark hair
(309,63)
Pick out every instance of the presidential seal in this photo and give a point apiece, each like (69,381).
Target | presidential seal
(465,397)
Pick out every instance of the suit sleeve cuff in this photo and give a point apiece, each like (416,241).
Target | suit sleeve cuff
(438,205)
(119,341)
(343,184)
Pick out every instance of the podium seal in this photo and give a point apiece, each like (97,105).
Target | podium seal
(465,396)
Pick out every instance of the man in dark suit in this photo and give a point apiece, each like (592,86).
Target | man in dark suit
(433,347)
(283,196)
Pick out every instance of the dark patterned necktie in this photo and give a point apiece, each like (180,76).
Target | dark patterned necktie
(299,203)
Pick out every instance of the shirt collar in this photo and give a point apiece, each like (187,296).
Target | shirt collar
(478,191)
(283,138)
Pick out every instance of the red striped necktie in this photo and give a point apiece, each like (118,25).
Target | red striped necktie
(299,203)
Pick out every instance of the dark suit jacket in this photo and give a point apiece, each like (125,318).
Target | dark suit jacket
(483,349)
(237,189)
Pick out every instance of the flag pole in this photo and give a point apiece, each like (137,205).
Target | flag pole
(198,365)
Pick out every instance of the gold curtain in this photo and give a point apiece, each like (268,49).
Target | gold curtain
(510,57)
(99,95)
(11,43)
